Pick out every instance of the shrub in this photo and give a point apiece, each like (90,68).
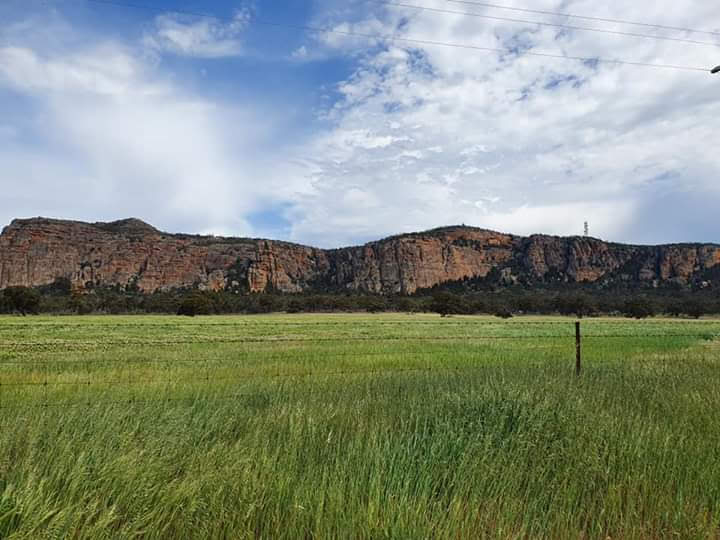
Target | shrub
(196,304)
(579,305)
(294,306)
(404,304)
(21,300)
(446,304)
(693,308)
(60,287)
(81,304)
(503,312)
(638,308)
(371,304)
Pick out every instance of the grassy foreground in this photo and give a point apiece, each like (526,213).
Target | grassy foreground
(349,426)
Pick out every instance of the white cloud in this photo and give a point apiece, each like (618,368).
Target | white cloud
(106,135)
(421,136)
(204,37)
(542,144)
(301,53)
(106,70)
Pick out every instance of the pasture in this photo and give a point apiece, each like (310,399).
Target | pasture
(358,426)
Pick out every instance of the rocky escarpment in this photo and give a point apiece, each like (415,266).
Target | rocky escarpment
(581,259)
(131,253)
(404,264)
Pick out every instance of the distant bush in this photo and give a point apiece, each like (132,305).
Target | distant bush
(60,287)
(196,304)
(580,305)
(294,306)
(404,304)
(373,304)
(21,300)
(503,312)
(638,308)
(693,308)
(446,303)
(160,302)
(81,305)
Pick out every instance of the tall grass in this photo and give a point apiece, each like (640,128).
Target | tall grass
(157,428)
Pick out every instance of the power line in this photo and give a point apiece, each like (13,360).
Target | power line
(539,23)
(414,41)
(586,17)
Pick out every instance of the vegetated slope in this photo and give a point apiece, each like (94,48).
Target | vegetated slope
(131,253)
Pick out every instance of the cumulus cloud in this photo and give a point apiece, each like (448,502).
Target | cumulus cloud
(101,133)
(204,38)
(417,136)
(527,144)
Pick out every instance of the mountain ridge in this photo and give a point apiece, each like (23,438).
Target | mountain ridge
(133,253)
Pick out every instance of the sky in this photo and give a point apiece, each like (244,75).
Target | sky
(301,120)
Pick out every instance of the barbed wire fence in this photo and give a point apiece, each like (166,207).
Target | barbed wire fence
(42,376)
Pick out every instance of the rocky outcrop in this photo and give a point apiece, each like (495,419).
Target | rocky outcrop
(404,264)
(131,253)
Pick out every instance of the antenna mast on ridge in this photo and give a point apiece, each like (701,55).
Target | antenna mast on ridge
(587,229)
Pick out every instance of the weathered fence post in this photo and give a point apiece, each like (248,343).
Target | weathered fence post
(578,349)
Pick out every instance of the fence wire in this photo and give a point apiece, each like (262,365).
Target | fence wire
(210,373)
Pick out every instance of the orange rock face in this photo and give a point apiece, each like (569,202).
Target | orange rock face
(407,263)
(131,253)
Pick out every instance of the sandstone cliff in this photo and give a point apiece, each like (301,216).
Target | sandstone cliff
(131,253)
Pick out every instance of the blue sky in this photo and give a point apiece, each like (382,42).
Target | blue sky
(229,126)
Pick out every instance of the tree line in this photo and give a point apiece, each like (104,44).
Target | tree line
(60,298)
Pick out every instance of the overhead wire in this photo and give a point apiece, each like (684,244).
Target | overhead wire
(408,40)
(542,23)
(585,17)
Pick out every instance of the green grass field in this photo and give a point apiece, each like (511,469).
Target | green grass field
(358,426)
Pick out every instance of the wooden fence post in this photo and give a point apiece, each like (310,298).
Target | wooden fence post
(578,349)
